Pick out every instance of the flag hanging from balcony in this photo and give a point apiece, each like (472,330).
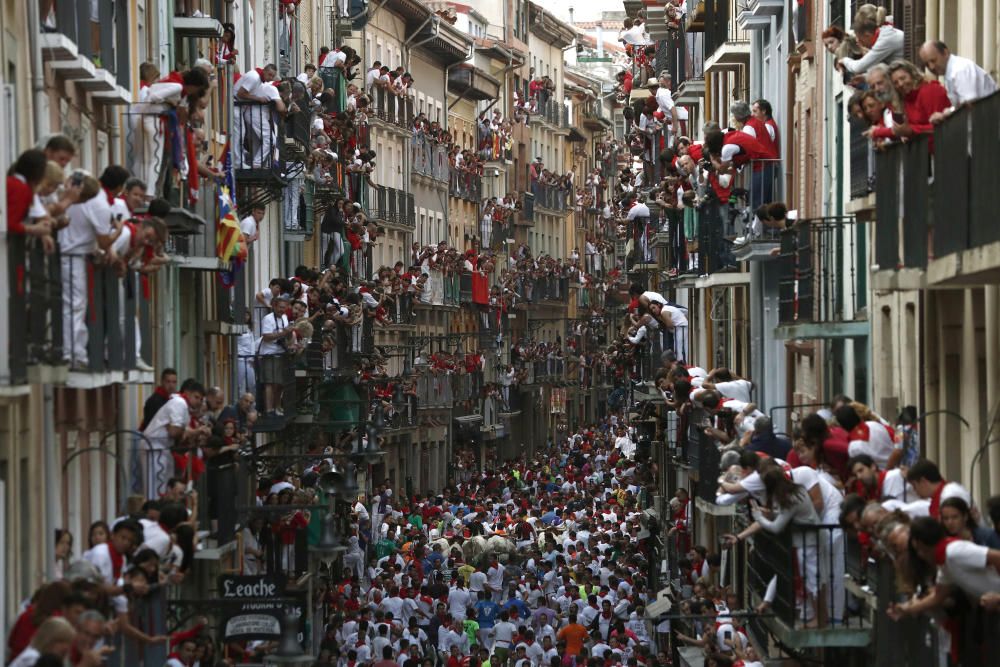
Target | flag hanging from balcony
(229,246)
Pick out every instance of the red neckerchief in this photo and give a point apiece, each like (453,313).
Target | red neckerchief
(143,84)
(160,391)
(117,561)
(111,197)
(173,77)
(260,71)
(941,550)
(935,508)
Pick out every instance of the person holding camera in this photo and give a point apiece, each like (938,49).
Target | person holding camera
(275,332)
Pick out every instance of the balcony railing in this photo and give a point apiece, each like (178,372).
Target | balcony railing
(818,281)
(391,108)
(429,158)
(434,390)
(105,315)
(903,190)
(528,208)
(962,193)
(465,184)
(862,163)
(806,564)
(552,111)
(546,288)
(721,27)
(390,205)
(259,133)
(35,311)
(552,197)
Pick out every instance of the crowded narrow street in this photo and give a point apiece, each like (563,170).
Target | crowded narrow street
(415,333)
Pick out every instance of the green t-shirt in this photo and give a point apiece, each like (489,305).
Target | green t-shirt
(471,629)
(384,548)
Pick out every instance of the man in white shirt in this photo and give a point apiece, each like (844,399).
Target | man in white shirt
(90,228)
(624,444)
(170,424)
(372,76)
(964,80)
(636,35)
(275,331)
(665,102)
(250,88)
(249,224)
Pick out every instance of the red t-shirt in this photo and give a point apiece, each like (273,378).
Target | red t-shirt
(19,198)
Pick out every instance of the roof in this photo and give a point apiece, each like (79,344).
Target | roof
(591,25)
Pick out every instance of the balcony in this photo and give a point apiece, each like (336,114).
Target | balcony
(553,113)
(34,319)
(390,206)
(527,216)
(259,133)
(726,44)
(862,171)
(469,82)
(818,284)
(965,194)
(95,55)
(429,158)
(434,390)
(806,566)
(392,111)
(465,184)
(756,14)
(106,315)
(703,457)
(551,198)
(594,118)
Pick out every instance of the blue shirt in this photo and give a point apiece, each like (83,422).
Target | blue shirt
(522,609)
(486,613)
(549,518)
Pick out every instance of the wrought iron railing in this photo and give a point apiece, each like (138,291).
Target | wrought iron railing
(818,271)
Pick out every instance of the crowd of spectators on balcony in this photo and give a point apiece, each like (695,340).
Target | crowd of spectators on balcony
(92,223)
(894,97)
(845,476)
(107,601)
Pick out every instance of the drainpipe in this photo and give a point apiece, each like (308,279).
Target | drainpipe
(40,100)
(52,499)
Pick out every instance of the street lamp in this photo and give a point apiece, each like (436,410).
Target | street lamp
(289,650)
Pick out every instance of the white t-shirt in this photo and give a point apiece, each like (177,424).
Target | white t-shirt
(333,58)
(155,538)
(248,226)
(965,81)
(175,412)
(269,325)
(165,92)
(665,101)
(738,389)
(100,558)
(873,439)
(26,658)
(250,82)
(965,566)
(86,221)
(808,478)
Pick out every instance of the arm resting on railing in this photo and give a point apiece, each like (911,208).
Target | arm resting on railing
(915,606)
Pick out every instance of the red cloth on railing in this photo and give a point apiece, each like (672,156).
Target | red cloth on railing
(480,289)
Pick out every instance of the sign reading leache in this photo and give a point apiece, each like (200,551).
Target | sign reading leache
(259,605)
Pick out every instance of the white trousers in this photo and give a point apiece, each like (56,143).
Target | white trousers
(75,333)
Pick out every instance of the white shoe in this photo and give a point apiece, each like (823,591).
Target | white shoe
(141,365)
